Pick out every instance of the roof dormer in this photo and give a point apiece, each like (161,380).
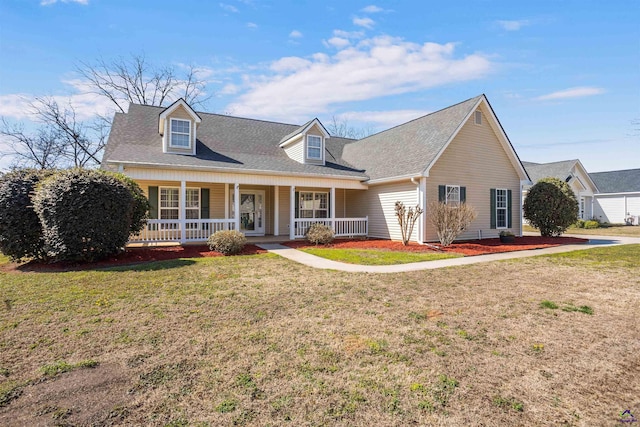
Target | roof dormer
(178,124)
(307,143)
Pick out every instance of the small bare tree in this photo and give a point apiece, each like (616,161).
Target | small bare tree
(450,220)
(61,140)
(135,80)
(407,219)
(342,128)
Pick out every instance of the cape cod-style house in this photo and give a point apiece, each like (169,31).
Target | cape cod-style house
(207,172)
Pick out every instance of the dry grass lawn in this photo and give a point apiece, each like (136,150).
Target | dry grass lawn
(259,340)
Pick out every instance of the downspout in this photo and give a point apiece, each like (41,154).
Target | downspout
(420,220)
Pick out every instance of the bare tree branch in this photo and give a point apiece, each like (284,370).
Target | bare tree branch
(341,128)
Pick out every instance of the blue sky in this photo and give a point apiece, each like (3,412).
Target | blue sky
(562,76)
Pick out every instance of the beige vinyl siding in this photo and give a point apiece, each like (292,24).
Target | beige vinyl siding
(295,150)
(379,204)
(340,203)
(475,159)
(355,203)
(284,210)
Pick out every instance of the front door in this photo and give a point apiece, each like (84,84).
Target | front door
(252,212)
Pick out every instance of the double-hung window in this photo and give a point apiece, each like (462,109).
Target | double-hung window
(501,208)
(314,147)
(313,205)
(169,206)
(180,133)
(453,195)
(192,206)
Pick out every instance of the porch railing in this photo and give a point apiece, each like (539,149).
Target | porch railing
(342,227)
(166,230)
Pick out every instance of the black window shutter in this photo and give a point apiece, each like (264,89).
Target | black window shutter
(493,208)
(296,214)
(153,202)
(463,194)
(204,203)
(442,193)
(509,215)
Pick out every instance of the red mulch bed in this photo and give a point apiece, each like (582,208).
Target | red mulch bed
(131,256)
(467,248)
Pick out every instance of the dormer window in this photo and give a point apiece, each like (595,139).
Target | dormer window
(314,147)
(180,133)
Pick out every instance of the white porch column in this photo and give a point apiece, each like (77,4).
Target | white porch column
(276,210)
(332,204)
(183,215)
(236,205)
(292,213)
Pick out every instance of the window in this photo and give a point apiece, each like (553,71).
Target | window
(192,206)
(180,133)
(313,205)
(501,208)
(453,195)
(314,147)
(478,117)
(169,207)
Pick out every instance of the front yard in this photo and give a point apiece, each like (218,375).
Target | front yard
(258,340)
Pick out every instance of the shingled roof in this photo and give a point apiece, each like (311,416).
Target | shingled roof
(623,181)
(224,142)
(410,148)
(560,170)
(233,143)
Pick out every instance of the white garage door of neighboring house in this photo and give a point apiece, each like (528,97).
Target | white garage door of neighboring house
(614,209)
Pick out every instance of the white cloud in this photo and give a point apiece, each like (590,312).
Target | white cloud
(337,42)
(290,63)
(295,34)
(364,22)
(50,2)
(252,25)
(383,119)
(372,9)
(574,92)
(228,7)
(512,25)
(351,35)
(86,105)
(229,89)
(372,68)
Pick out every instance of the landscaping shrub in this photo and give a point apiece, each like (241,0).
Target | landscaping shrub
(227,242)
(20,230)
(591,224)
(551,206)
(407,220)
(140,211)
(319,234)
(579,223)
(85,214)
(449,220)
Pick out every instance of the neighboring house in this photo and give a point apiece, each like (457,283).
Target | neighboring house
(618,196)
(573,173)
(207,172)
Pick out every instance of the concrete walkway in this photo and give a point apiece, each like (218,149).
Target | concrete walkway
(323,263)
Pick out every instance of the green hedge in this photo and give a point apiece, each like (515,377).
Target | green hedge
(85,214)
(551,206)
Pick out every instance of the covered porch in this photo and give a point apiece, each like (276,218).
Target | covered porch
(190,211)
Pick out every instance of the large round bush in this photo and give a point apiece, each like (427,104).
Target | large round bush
(85,214)
(20,231)
(551,206)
